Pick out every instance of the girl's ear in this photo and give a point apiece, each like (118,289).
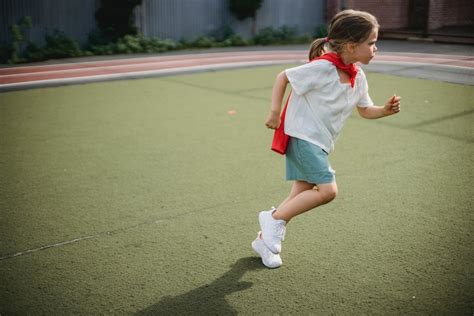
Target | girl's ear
(348,47)
(351,47)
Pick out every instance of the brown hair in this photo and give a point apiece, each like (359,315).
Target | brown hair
(348,26)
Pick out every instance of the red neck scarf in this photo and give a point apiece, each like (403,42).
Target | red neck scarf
(350,69)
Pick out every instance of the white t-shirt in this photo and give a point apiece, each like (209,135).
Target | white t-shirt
(320,104)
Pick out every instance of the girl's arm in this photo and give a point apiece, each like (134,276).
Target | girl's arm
(374,112)
(278,92)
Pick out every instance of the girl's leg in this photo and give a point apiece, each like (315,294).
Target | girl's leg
(304,197)
(297,188)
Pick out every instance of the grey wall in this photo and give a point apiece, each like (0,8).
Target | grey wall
(73,17)
(181,18)
(173,19)
(190,18)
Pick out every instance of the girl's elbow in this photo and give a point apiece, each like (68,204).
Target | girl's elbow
(362,112)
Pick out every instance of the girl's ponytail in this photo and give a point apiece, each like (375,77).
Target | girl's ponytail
(317,48)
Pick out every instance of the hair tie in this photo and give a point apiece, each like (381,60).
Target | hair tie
(326,40)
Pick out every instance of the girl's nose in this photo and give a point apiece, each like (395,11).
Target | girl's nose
(375,48)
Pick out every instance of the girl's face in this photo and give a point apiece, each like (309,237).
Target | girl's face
(365,51)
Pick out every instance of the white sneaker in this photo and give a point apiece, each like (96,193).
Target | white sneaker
(273,230)
(269,259)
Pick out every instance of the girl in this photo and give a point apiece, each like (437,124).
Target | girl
(324,93)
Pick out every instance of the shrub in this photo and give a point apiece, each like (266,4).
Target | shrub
(204,42)
(58,45)
(17,36)
(34,53)
(156,45)
(282,35)
(129,44)
(135,44)
(236,40)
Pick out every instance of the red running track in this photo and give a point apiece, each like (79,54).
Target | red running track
(162,64)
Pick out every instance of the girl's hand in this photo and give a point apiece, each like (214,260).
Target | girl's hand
(273,120)
(392,106)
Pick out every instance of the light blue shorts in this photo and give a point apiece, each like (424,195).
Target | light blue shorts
(308,162)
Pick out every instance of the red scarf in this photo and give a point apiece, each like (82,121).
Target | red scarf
(350,69)
(280,139)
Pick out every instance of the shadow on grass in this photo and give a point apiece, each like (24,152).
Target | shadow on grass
(209,298)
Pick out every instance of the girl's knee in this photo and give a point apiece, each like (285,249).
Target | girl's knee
(328,192)
(332,195)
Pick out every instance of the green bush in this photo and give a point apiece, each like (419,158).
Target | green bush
(135,44)
(20,49)
(34,53)
(236,40)
(129,44)
(17,36)
(212,42)
(204,42)
(282,35)
(156,45)
(58,45)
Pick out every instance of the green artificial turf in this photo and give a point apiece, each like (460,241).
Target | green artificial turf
(144,195)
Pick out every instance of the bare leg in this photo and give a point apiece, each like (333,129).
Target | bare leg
(297,188)
(304,197)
